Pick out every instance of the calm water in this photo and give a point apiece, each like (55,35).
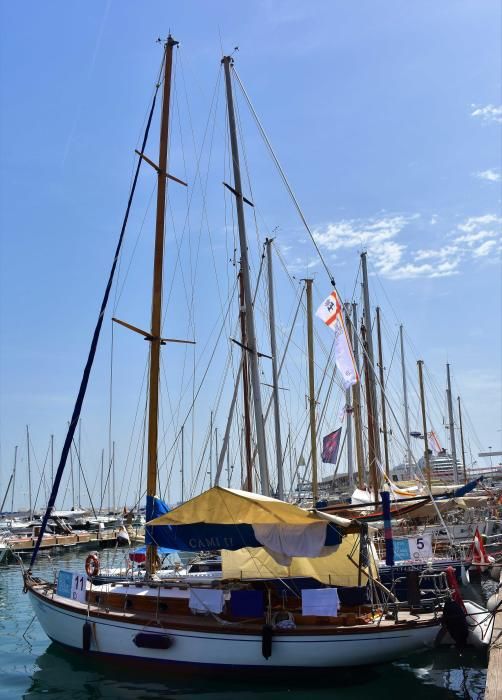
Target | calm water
(32,667)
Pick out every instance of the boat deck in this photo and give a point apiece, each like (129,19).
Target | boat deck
(167,606)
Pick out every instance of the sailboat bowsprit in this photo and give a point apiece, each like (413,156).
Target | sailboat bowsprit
(251,616)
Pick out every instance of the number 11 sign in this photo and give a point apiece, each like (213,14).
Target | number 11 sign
(72,585)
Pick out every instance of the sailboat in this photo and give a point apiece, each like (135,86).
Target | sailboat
(255,615)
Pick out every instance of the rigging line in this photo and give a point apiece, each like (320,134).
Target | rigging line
(143,435)
(158,82)
(320,419)
(216,345)
(207,366)
(201,462)
(203,216)
(133,431)
(174,414)
(294,284)
(283,177)
(90,359)
(118,295)
(194,268)
(42,476)
(110,395)
(77,452)
(246,166)
(134,423)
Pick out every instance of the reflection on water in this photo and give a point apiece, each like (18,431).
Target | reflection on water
(31,667)
(61,674)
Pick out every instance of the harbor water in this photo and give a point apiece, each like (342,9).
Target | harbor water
(33,667)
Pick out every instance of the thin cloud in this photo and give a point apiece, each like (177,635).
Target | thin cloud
(487,113)
(490,175)
(474,238)
(484,249)
(474,222)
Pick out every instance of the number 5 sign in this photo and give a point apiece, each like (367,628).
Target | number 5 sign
(420,547)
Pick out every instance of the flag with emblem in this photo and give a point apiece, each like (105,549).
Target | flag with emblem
(331,313)
(330,445)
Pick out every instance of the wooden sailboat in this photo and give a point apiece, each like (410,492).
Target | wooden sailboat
(251,617)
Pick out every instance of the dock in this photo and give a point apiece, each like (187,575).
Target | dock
(25,545)
(494,672)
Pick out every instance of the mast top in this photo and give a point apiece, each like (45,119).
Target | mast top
(168,42)
(230,58)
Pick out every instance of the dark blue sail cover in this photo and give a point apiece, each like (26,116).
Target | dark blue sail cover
(462,491)
(201,536)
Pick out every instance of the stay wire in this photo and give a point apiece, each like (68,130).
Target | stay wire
(90,358)
(284,178)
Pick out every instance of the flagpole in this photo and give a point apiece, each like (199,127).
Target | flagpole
(372,456)
(462,439)
(248,299)
(405,399)
(273,346)
(452,426)
(348,413)
(356,397)
(310,345)
(382,390)
(424,424)
(371,357)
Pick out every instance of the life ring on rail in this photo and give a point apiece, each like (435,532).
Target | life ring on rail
(92,565)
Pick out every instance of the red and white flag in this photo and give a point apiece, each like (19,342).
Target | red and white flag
(331,313)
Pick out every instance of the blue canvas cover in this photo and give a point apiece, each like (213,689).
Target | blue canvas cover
(202,536)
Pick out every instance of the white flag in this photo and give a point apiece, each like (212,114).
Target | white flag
(330,312)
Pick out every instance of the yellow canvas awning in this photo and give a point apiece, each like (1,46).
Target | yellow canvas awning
(335,569)
(222,506)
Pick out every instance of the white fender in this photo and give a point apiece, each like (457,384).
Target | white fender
(480,623)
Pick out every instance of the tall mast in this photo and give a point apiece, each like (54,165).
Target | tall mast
(310,343)
(273,345)
(210,472)
(72,476)
(356,401)
(372,467)
(29,469)
(182,463)
(102,477)
(349,413)
(248,299)
(8,487)
(225,446)
(424,423)
(13,480)
(462,439)
(452,426)
(114,502)
(155,329)
(405,399)
(248,485)
(52,460)
(382,390)
(79,460)
(371,356)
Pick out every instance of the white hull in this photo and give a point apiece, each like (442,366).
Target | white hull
(225,649)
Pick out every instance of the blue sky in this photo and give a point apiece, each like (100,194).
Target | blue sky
(386,118)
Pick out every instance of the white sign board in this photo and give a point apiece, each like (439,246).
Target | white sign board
(72,585)
(413,548)
(420,547)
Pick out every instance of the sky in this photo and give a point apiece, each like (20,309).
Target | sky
(386,117)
